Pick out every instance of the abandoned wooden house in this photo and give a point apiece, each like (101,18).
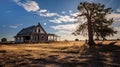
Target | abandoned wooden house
(34,34)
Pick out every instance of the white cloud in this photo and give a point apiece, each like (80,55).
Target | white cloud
(117,28)
(43,11)
(63,12)
(16,1)
(116,18)
(74,14)
(14,26)
(28,5)
(62,19)
(70,11)
(8,11)
(113,15)
(55,21)
(116,24)
(66,27)
(118,10)
(66,18)
(47,14)
(34,7)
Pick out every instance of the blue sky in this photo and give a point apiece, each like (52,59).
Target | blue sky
(56,16)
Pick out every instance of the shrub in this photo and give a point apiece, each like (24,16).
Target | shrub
(4,40)
(76,39)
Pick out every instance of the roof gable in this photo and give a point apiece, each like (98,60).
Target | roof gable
(29,30)
(39,25)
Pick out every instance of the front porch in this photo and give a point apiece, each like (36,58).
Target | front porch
(22,39)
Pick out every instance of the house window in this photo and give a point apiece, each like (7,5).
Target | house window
(27,37)
(35,30)
(42,37)
(38,30)
(18,38)
(38,37)
(35,37)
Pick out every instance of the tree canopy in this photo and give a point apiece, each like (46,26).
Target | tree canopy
(4,40)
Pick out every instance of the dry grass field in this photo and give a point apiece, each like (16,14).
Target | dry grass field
(60,54)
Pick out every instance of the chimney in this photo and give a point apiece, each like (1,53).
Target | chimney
(38,23)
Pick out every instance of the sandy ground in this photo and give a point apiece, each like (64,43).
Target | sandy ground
(61,54)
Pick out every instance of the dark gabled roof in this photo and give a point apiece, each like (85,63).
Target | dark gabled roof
(27,31)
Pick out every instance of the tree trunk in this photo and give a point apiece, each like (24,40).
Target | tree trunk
(90,33)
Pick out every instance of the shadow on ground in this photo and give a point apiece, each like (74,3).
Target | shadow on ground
(100,55)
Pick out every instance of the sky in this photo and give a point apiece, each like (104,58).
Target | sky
(55,16)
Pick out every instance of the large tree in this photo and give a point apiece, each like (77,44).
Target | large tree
(97,23)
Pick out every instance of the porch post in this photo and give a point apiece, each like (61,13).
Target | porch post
(53,38)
